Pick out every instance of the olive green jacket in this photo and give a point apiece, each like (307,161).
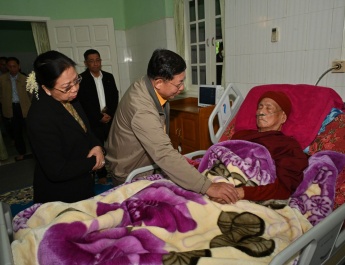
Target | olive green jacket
(6,95)
(138,138)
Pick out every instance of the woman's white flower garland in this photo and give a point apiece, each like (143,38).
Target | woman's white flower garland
(31,84)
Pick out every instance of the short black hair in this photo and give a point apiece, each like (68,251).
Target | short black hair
(90,51)
(165,64)
(12,59)
(49,66)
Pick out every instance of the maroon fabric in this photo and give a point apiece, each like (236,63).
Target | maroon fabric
(229,131)
(310,106)
(289,159)
(280,98)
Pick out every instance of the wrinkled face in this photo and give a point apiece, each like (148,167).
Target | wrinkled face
(93,63)
(66,86)
(168,89)
(273,116)
(13,67)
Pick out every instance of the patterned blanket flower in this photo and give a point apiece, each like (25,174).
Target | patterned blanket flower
(20,220)
(252,159)
(92,246)
(161,204)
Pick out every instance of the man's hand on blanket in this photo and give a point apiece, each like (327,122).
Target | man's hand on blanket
(223,193)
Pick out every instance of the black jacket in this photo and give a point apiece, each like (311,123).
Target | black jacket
(88,97)
(60,146)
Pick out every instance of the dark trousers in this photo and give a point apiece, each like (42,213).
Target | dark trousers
(15,127)
(101,133)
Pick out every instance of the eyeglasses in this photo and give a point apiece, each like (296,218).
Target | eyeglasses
(70,85)
(179,85)
(94,61)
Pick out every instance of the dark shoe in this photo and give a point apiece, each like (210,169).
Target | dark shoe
(103,181)
(19,158)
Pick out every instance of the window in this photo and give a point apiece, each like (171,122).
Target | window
(205,45)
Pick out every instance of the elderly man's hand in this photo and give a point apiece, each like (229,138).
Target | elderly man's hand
(223,193)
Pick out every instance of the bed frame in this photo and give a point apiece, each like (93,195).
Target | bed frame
(322,244)
(6,234)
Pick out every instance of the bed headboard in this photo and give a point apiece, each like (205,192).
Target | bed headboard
(225,111)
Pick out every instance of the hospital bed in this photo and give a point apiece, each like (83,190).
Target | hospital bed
(319,245)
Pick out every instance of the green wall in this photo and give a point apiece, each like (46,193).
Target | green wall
(139,12)
(125,13)
(66,9)
(14,34)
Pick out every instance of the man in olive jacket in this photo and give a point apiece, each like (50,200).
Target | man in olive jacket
(139,133)
(15,102)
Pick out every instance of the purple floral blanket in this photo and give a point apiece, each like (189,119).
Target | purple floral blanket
(252,164)
(153,222)
(157,222)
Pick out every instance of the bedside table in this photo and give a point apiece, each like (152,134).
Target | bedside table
(189,125)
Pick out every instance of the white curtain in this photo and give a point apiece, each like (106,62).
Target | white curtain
(180,35)
(40,32)
(222,16)
(179,27)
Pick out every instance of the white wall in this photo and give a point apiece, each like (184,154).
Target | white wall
(122,59)
(135,47)
(311,37)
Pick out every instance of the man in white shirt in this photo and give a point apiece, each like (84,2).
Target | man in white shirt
(98,95)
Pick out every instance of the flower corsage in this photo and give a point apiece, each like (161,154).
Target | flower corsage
(31,84)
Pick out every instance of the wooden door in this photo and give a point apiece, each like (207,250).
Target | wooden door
(73,37)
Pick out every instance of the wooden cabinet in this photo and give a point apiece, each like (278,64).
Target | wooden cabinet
(189,125)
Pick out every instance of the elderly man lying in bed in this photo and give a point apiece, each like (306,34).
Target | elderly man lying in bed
(273,110)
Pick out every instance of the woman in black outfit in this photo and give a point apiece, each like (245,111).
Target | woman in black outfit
(66,151)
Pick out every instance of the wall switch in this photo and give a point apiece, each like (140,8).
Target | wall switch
(274,35)
(340,66)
